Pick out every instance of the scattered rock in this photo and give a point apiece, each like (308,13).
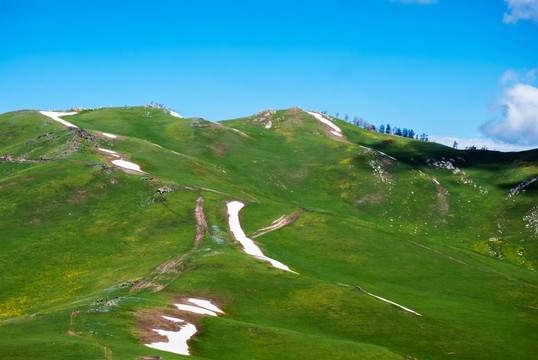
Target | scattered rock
(521,186)
(81,133)
(165,189)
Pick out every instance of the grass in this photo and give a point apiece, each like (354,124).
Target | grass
(74,228)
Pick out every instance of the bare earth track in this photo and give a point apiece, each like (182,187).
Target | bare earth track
(169,271)
(282,221)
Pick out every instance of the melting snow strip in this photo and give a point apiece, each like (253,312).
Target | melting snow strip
(268,125)
(320,117)
(393,303)
(380,152)
(177,340)
(127,165)
(173,319)
(248,245)
(112,136)
(195,309)
(173,113)
(113,153)
(55,115)
(335,133)
(206,304)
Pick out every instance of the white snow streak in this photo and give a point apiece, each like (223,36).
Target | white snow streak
(173,113)
(113,153)
(174,319)
(335,133)
(248,245)
(177,340)
(393,303)
(112,136)
(55,115)
(320,117)
(195,309)
(206,304)
(127,165)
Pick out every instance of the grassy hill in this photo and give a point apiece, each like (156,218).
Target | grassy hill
(448,234)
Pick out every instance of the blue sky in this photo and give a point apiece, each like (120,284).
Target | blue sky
(448,68)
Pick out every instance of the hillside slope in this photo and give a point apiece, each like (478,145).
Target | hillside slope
(398,248)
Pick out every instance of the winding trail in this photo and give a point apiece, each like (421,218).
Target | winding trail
(167,272)
(248,245)
(450,257)
(70,331)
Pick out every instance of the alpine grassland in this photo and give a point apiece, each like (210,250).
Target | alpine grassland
(399,248)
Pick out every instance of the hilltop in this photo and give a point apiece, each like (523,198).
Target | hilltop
(284,234)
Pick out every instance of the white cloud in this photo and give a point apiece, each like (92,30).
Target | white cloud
(521,10)
(508,77)
(530,76)
(422,2)
(479,143)
(518,123)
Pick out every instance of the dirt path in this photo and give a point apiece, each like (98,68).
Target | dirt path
(70,331)
(450,257)
(219,125)
(282,221)
(201,222)
(167,272)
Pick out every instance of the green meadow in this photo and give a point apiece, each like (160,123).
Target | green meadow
(369,214)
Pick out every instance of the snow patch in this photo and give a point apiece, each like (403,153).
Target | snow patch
(378,152)
(206,304)
(320,117)
(127,165)
(173,113)
(112,136)
(173,319)
(177,340)
(268,125)
(113,153)
(435,180)
(335,133)
(248,245)
(55,115)
(195,309)
(393,303)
